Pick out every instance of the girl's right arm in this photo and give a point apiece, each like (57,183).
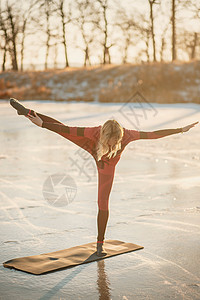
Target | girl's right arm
(89,132)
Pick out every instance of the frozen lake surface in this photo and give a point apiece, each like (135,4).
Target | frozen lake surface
(154,202)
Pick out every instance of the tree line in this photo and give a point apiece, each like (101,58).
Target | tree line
(99,27)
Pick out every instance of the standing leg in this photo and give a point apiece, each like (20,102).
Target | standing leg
(102,220)
(104,189)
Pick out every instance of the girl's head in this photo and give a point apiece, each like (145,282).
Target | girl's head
(110,139)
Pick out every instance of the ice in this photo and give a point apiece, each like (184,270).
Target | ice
(154,202)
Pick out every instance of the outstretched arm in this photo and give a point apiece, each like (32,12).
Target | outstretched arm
(88,132)
(132,135)
(159,133)
(164,132)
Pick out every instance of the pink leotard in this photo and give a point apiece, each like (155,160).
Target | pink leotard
(87,138)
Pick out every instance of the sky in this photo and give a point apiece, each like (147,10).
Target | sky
(35,53)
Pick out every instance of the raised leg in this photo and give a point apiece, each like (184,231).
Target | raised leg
(47,118)
(74,134)
(64,131)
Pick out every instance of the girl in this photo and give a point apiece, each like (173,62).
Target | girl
(106,144)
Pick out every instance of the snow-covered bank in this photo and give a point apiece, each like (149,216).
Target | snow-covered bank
(156,82)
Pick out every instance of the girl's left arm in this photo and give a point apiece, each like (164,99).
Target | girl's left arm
(132,135)
(164,132)
(159,133)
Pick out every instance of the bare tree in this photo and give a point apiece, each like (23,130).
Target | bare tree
(65,13)
(25,20)
(10,27)
(104,29)
(55,54)
(130,29)
(47,9)
(14,26)
(5,37)
(85,24)
(48,30)
(173,30)
(151,3)
(163,41)
(145,35)
(135,28)
(195,8)
(188,43)
(194,45)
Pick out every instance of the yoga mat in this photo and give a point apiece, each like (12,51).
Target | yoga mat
(47,262)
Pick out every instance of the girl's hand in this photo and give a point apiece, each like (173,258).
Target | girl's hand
(36,120)
(186,128)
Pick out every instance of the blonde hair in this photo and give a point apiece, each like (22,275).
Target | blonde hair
(110,129)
